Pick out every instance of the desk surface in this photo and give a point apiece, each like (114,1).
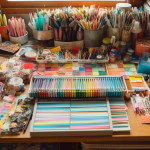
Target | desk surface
(139,132)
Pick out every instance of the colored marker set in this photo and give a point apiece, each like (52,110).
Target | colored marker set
(59,87)
(71,118)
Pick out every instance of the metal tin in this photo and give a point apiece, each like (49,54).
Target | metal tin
(93,38)
(43,35)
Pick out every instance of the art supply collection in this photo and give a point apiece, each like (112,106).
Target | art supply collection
(81,72)
(74,54)
(77,87)
(67,69)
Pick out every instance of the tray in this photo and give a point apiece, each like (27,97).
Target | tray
(70,132)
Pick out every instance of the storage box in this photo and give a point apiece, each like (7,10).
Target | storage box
(144,64)
(51,131)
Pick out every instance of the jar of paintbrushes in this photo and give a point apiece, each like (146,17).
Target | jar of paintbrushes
(40,24)
(17,30)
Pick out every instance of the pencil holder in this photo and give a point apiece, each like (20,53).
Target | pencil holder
(93,38)
(114,32)
(21,39)
(3,32)
(43,35)
(126,36)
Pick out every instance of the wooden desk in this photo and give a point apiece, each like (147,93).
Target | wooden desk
(139,133)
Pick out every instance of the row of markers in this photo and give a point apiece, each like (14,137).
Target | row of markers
(77,87)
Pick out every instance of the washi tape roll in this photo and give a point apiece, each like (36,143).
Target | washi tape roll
(16,82)
(30,55)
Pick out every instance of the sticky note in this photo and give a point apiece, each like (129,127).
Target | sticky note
(48,73)
(126,65)
(122,73)
(127,69)
(132,69)
(94,69)
(54,65)
(114,66)
(55,69)
(95,73)
(128,73)
(82,73)
(28,66)
(68,69)
(120,65)
(81,69)
(68,65)
(102,73)
(88,69)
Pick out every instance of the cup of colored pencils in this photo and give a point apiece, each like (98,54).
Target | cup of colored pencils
(92,21)
(40,24)
(17,30)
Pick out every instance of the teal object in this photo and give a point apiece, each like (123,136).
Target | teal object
(41,22)
(144,64)
(37,23)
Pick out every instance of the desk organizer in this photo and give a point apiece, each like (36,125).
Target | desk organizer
(71,118)
(75,86)
(73,54)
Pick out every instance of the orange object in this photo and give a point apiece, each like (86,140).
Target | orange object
(142,46)
(3,32)
(137,84)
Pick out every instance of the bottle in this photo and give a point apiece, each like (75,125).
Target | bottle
(79,35)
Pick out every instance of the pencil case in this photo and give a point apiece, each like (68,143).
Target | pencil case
(43,35)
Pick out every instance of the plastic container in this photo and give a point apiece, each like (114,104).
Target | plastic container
(20,39)
(43,35)
(93,38)
(142,45)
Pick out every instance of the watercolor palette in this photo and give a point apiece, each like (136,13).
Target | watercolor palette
(119,115)
(121,69)
(71,69)
(71,118)
(75,87)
